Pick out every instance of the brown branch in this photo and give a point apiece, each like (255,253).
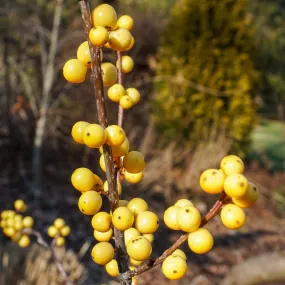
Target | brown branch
(121,256)
(154,262)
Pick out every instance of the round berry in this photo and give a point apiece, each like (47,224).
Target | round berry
(127,64)
(232,164)
(134,94)
(90,203)
(180,253)
(137,205)
(109,73)
(94,136)
(115,135)
(83,53)
(134,162)
(102,253)
(249,198)
(126,102)
(59,223)
(174,267)
(130,233)
(135,262)
(122,149)
(131,44)
(60,241)
(201,241)
(122,218)
(170,218)
(212,181)
(150,237)
(125,22)
(74,71)
(147,222)
(28,222)
(116,92)
(233,217)
(65,231)
(18,225)
(104,15)
(19,205)
(83,179)
(119,187)
(102,163)
(77,131)
(183,202)
(133,177)
(98,36)
(112,268)
(9,232)
(24,241)
(139,248)
(106,236)
(52,231)
(120,39)
(235,185)
(189,219)
(101,222)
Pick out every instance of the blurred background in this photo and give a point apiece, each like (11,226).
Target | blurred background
(212,79)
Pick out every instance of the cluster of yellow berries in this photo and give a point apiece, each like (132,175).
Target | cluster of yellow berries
(15,225)
(114,33)
(58,231)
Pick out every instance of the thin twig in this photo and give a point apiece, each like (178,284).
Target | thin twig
(154,262)
(120,80)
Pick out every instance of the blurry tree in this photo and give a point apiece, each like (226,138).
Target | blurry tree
(206,76)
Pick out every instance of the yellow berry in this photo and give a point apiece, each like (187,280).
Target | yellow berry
(134,162)
(116,92)
(125,22)
(19,205)
(147,222)
(201,241)
(9,231)
(134,94)
(139,248)
(232,164)
(170,218)
(24,241)
(174,267)
(98,36)
(130,233)
(28,222)
(119,187)
(16,237)
(126,102)
(18,217)
(3,224)
(137,205)
(94,136)
(98,183)
(249,198)
(133,177)
(183,202)
(109,73)
(102,253)
(59,223)
(212,181)
(10,222)
(115,135)
(131,44)
(83,179)
(90,203)
(102,163)
(232,216)
(77,131)
(106,236)
(74,71)
(65,231)
(123,203)
(52,231)
(127,65)
(104,15)
(112,268)
(135,262)
(18,225)
(235,185)
(60,241)
(101,222)
(180,253)
(150,237)
(189,219)
(122,149)
(83,53)
(120,39)
(122,218)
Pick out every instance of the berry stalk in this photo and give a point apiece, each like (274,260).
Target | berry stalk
(120,80)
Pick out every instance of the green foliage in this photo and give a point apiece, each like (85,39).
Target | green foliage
(208,78)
